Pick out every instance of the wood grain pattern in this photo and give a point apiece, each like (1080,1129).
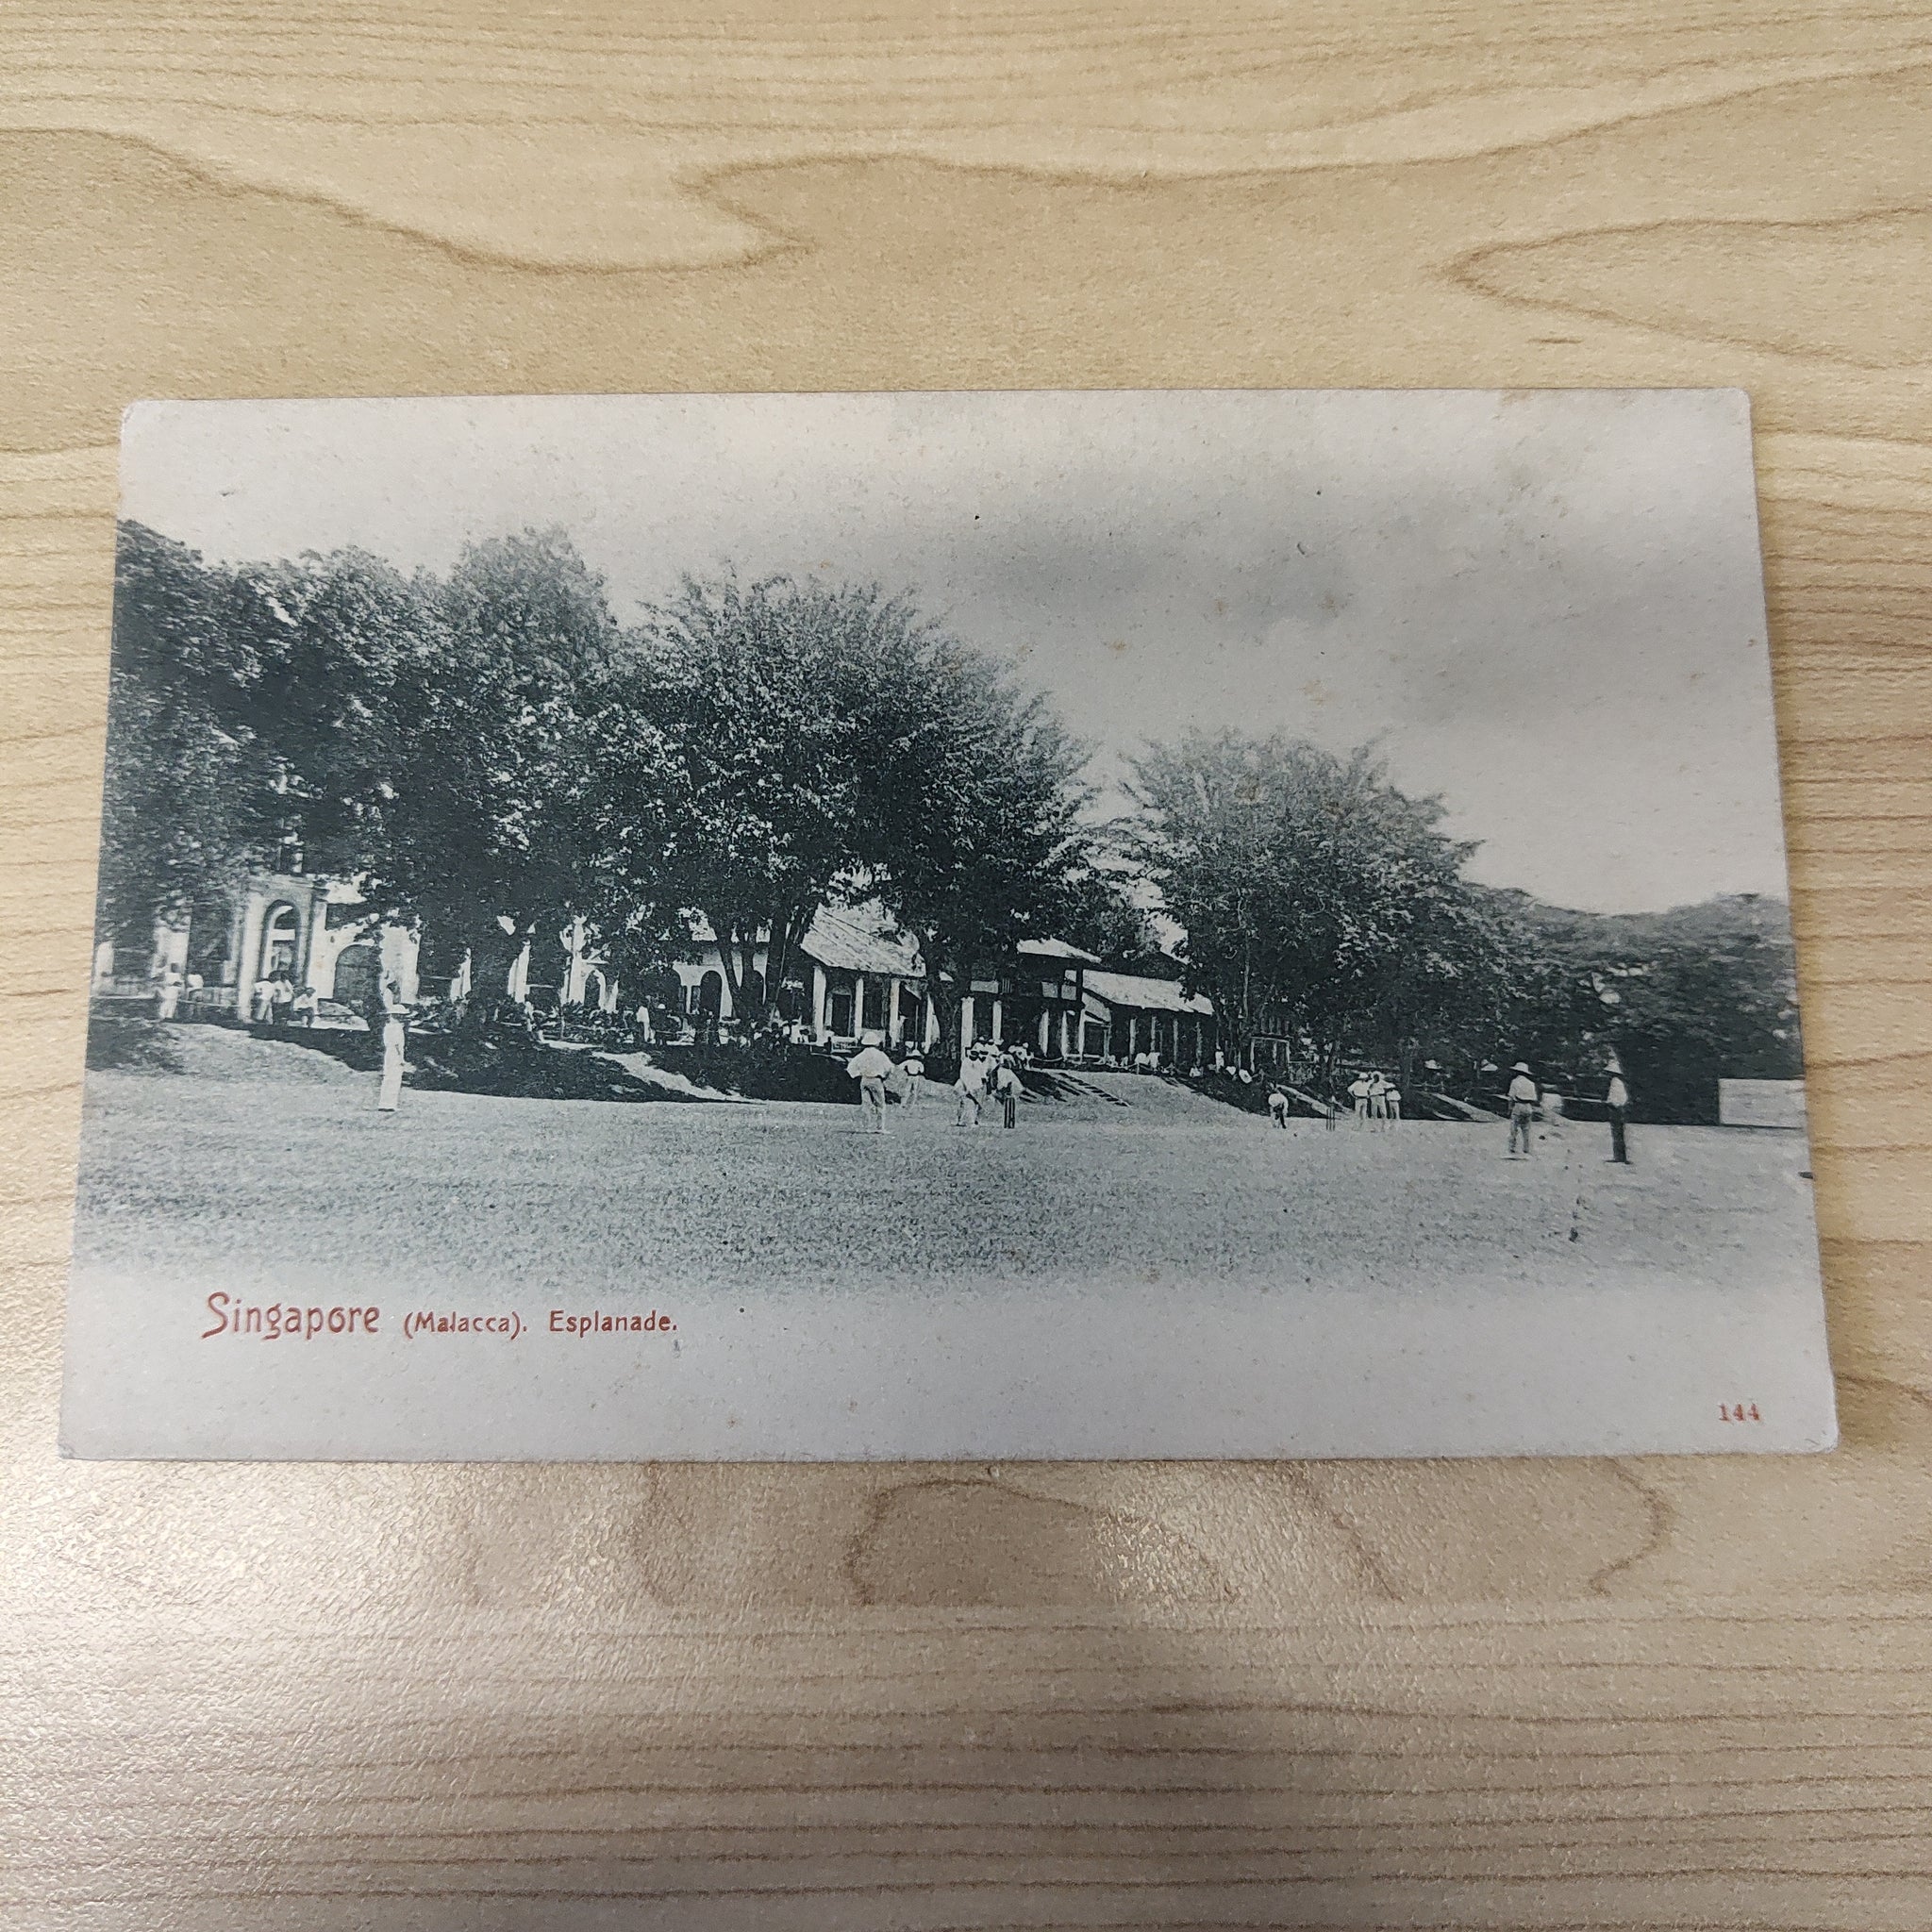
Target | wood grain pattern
(1639,1694)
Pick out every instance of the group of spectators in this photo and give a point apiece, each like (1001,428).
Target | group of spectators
(1375,1099)
(276,1000)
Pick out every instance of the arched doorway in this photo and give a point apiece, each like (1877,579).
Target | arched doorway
(842,1008)
(708,1003)
(596,995)
(359,967)
(281,937)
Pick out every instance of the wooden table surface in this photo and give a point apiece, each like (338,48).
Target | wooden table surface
(1529,1694)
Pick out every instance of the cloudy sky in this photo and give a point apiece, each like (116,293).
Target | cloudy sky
(1546,606)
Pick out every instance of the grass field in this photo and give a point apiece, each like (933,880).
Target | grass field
(281,1169)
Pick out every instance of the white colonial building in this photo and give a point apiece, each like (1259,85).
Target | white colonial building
(320,934)
(1129,1013)
(852,977)
(315,930)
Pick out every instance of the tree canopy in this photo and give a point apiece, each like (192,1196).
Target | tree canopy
(1322,903)
(1315,895)
(1683,998)
(491,755)
(971,802)
(189,795)
(748,690)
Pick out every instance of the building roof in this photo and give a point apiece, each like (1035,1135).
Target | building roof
(858,939)
(1150,995)
(853,938)
(1056,949)
(853,941)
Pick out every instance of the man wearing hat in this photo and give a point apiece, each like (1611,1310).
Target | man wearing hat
(971,1088)
(912,1075)
(1521,1107)
(1617,1104)
(1358,1089)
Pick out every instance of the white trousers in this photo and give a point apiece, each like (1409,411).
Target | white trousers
(392,1067)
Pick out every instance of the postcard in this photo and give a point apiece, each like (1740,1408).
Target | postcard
(1220,923)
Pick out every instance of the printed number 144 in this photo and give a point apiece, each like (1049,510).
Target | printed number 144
(1738,1412)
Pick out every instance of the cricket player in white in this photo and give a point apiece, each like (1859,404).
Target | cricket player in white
(393,1041)
(1523,1095)
(869,1066)
(971,1088)
(912,1075)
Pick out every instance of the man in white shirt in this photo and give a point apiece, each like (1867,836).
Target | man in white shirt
(395,1042)
(912,1075)
(1617,1101)
(869,1066)
(971,1088)
(1522,1107)
(1359,1092)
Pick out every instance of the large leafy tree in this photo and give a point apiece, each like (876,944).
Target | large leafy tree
(351,650)
(193,786)
(1683,998)
(972,794)
(458,746)
(1102,911)
(1311,889)
(744,696)
(1444,982)
(817,743)
(488,825)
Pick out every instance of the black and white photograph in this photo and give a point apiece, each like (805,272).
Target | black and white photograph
(935,926)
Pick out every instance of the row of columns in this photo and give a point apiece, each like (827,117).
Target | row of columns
(1064,1020)
(1153,1041)
(894,1028)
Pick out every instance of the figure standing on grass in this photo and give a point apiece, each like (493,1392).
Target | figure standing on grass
(869,1066)
(1005,1083)
(1522,1109)
(971,1088)
(1392,1101)
(390,1091)
(167,992)
(912,1070)
(1358,1089)
(1277,1106)
(1617,1103)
